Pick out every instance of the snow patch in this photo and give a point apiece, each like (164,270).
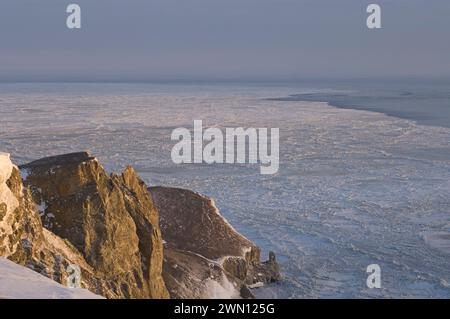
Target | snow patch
(18,282)
(224,289)
(24,173)
(41,207)
(258,284)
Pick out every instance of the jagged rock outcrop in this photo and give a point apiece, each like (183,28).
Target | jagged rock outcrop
(195,232)
(12,222)
(110,220)
(191,276)
(23,239)
(66,210)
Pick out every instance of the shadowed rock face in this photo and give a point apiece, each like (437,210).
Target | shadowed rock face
(193,228)
(191,222)
(191,276)
(110,220)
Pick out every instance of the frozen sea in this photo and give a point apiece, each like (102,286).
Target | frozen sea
(355,187)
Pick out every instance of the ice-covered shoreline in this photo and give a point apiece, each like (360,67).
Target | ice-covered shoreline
(354,188)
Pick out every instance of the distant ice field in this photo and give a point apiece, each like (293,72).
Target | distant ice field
(354,187)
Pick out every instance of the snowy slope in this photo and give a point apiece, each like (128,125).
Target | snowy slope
(18,282)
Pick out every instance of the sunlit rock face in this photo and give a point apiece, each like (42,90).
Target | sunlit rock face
(109,219)
(25,241)
(20,226)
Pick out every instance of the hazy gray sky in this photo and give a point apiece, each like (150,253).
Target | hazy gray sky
(222,39)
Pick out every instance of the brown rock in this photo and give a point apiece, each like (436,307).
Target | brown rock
(192,276)
(191,223)
(36,247)
(110,220)
(70,211)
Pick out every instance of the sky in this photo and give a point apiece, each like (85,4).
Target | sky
(151,40)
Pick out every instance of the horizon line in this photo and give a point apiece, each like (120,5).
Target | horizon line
(226,80)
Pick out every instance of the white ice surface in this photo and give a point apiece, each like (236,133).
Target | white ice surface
(18,282)
(354,187)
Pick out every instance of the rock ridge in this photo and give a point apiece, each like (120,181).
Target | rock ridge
(67,210)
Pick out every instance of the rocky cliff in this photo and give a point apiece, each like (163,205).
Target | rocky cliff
(200,240)
(66,210)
